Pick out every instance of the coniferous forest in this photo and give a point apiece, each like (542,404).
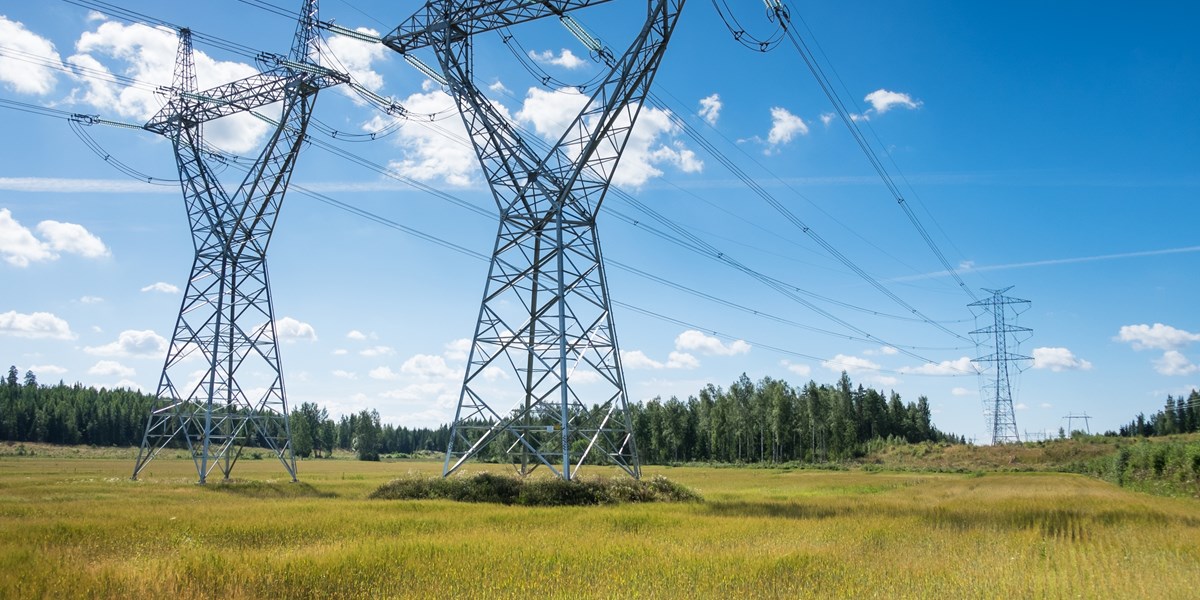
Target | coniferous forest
(1178,415)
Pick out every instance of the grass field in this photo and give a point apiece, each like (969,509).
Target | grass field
(76,526)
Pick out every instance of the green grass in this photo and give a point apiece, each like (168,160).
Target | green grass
(78,527)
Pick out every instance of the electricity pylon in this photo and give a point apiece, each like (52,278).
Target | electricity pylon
(997,391)
(222,381)
(1072,417)
(545,324)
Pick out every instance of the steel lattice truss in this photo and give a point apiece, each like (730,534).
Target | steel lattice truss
(545,320)
(226,325)
(997,389)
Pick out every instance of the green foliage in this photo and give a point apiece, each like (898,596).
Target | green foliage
(74,414)
(366,435)
(70,414)
(1166,467)
(1179,415)
(550,491)
(769,422)
(772,422)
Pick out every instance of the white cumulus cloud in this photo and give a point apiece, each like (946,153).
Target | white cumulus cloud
(358,58)
(147,55)
(376,351)
(550,112)
(784,127)
(1156,336)
(41,370)
(383,373)
(1174,362)
(72,239)
(682,360)
(428,366)
(849,364)
(961,391)
(38,325)
(161,287)
(23,65)
(441,394)
(958,366)
(706,344)
(20,247)
(431,151)
(457,349)
(797,368)
(107,368)
(1058,359)
(883,100)
(291,330)
(636,359)
(710,108)
(565,59)
(131,342)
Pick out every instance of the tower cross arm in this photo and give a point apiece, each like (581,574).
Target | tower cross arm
(466,19)
(1006,329)
(249,93)
(999,357)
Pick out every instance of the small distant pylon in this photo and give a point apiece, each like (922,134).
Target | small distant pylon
(1072,417)
(222,381)
(997,389)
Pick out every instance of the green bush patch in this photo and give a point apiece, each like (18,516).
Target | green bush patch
(504,489)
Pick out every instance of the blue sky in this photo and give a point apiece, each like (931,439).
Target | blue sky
(1050,147)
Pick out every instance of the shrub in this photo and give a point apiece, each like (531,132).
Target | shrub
(548,491)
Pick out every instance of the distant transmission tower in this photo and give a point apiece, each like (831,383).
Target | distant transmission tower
(546,318)
(997,391)
(1072,417)
(226,324)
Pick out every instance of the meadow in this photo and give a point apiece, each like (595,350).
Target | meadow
(74,525)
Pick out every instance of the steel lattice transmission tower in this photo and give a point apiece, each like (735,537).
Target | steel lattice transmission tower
(997,388)
(226,323)
(546,318)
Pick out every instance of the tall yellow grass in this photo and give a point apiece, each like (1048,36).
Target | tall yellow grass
(79,528)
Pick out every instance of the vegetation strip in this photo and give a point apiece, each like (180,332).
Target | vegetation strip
(547,491)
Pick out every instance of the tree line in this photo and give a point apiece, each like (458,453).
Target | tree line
(77,414)
(772,421)
(70,414)
(749,422)
(1178,415)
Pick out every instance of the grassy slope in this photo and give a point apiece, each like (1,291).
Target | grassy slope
(72,527)
(1163,465)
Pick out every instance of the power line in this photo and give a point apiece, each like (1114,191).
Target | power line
(73,69)
(784,16)
(704,248)
(237,161)
(721,256)
(133,16)
(519,52)
(891,158)
(765,195)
